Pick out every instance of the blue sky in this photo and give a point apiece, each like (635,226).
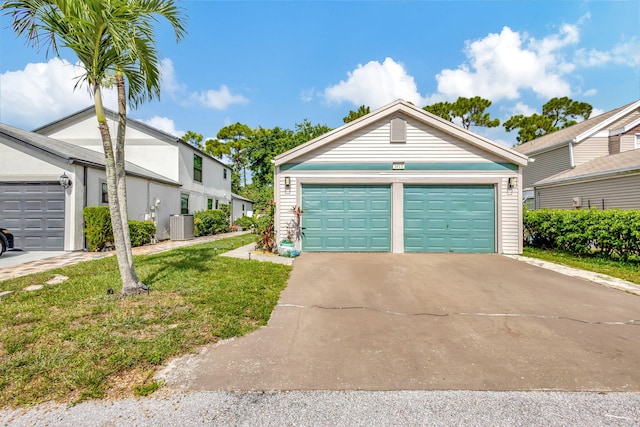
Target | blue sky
(275,63)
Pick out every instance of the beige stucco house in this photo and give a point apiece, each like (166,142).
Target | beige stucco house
(401,180)
(592,163)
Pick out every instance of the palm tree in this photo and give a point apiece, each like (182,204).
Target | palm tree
(114,42)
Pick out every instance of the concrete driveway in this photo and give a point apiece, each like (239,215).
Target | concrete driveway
(431,322)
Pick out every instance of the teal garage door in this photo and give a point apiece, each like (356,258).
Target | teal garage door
(449,218)
(346,218)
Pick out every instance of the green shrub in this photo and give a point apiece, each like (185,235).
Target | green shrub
(246,222)
(141,232)
(97,229)
(612,233)
(210,222)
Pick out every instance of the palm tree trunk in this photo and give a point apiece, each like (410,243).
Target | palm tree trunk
(129,282)
(121,184)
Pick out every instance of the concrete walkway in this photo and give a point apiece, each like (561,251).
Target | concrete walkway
(71,258)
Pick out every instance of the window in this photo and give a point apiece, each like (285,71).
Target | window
(637,142)
(197,168)
(104,197)
(224,173)
(243,208)
(209,203)
(216,203)
(184,203)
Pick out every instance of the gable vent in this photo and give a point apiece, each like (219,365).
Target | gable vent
(398,130)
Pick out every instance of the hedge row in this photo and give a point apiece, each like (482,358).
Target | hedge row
(614,233)
(99,234)
(212,221)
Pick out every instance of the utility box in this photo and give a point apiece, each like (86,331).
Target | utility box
(181,227)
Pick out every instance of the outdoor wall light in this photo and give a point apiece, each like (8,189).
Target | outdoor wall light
(287,182)
(513,183)
(65,181)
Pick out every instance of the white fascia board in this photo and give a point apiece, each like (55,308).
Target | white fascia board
(415,113)
(588,133)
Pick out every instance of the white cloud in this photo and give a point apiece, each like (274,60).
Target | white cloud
(626,53)
(168,80)
(218,99)
(376,84)
(590,92)
(164,124)
(501,65)
(523,109)
(307,95)
(596,112)
(43,92)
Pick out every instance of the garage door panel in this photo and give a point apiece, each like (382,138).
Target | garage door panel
(346,218)
(454,218)
(34,212)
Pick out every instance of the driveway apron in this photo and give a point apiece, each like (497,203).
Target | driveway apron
(431,322)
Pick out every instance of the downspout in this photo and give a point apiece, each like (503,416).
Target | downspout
(571,159)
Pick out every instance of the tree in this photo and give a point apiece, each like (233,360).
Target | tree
(115,42)
(470,111)
(564,112)
(231,140)
(557,113)
(193,138)
(363,110)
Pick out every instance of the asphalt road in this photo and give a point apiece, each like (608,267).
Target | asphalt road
(344,408)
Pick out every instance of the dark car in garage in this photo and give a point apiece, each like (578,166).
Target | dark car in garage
(6,240)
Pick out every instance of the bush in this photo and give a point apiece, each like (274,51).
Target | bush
(141,232)
(613,233)
(210,222)
(97,222)
(97,227)
(246,222)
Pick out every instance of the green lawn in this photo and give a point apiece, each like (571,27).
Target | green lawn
(73,341)
(626,270)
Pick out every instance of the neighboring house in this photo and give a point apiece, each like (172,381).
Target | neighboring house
(205,181)
(240,206)
(42,214)
(566,161)
(401,180)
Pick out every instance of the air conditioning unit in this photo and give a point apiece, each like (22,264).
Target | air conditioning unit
(577,202)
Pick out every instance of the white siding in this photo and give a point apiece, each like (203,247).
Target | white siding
(627,143)
(21,164)
(510,209)
(372,144)
(620,192)
(237,211)
(590,149)
(545,165)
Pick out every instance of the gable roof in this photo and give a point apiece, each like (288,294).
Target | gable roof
(238,197)
(133,123)
(625,162)
(578,132)
(415,113)
(72,154)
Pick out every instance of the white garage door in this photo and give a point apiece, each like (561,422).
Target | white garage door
(34,213)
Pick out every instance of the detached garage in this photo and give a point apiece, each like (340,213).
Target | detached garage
(401,180)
